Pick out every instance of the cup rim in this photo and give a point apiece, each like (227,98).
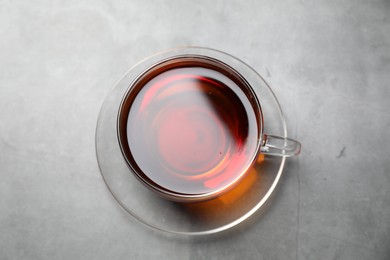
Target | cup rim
(190,52)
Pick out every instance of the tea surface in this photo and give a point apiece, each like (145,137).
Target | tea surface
(191,130)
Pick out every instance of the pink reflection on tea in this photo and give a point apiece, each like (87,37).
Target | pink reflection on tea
(192,130)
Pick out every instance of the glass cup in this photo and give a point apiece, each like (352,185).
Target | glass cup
(190,126)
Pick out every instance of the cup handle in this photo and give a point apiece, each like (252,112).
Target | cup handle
(280,146)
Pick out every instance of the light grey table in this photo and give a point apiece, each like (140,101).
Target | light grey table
(327,61)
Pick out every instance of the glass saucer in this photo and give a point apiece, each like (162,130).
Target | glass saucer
(198,218)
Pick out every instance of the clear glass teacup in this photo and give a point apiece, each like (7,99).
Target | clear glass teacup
(191,126)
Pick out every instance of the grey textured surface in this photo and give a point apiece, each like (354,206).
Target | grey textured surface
(327,61)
